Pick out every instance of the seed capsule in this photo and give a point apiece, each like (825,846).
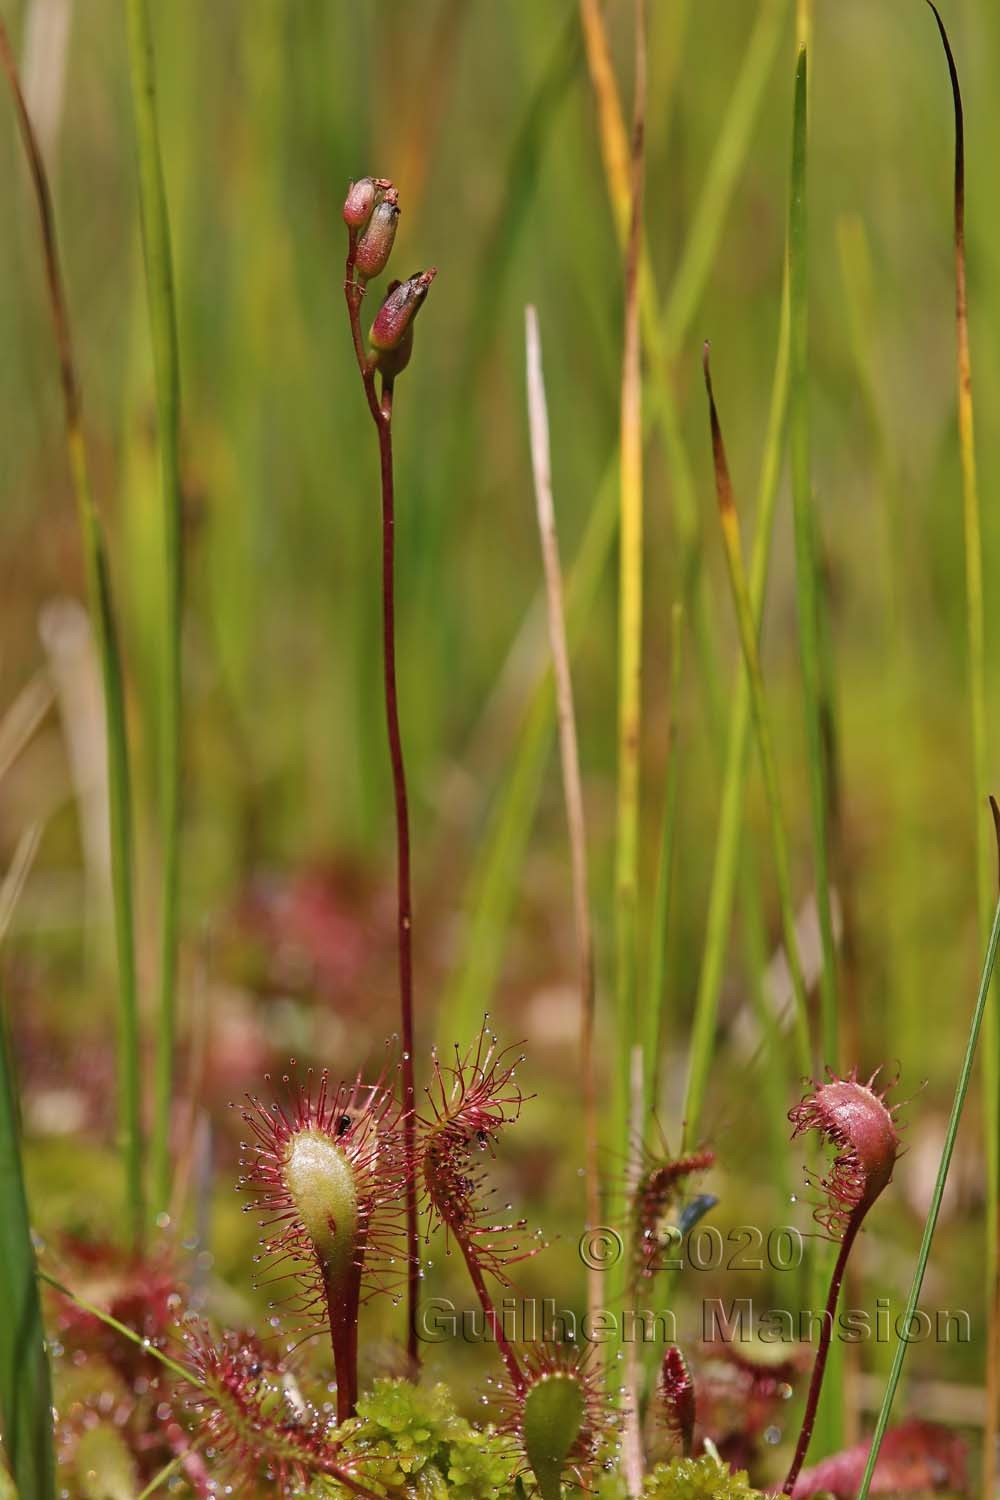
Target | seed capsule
(375,244)
(392,331)
(359,202)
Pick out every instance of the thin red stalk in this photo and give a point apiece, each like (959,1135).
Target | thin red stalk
(404,910)
(483,1293)
(382,417)
(819,1368)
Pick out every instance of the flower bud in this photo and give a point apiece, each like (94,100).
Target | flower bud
(359,202)
(375,244)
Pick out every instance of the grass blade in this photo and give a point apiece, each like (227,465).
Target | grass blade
(630,608)
(806,569)
(653,1022)
(730,151)
(163,334)
(494,878)
(961,1090)
(105,631)
(975,636)
(722,174)
(727,844)
(762,726)
(572,786)
(25,1384)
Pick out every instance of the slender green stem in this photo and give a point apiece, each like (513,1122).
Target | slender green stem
(167,1472)
(930,1225)
(105,632)
(723,174)
(653,1028)
(182,1372)
(664,333)
(494,877)
(904,1018)
(163,334)
(806,566)
(803,23)
(538,416)
(110,1321)
(762,724)
(975,635)
(25,1382)
(630,611)
(727,844)
(120,812)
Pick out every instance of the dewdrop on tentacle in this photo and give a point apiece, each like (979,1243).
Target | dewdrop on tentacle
(327,1173)
(469,1105)
(241,1405)
(854,1118)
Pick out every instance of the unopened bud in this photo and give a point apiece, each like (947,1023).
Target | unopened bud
(359,202)
(375,244)
(392,331)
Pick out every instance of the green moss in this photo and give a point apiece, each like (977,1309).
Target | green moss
(697,1479)
(411,1438)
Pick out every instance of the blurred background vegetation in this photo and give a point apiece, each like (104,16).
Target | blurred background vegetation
(483,116)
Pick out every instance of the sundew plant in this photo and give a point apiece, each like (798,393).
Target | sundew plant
(499,913)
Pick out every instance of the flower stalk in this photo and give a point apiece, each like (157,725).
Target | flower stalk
(371,212)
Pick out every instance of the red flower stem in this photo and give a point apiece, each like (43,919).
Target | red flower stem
(819,1368)
(404,910)
(486,1301)
(382,417)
